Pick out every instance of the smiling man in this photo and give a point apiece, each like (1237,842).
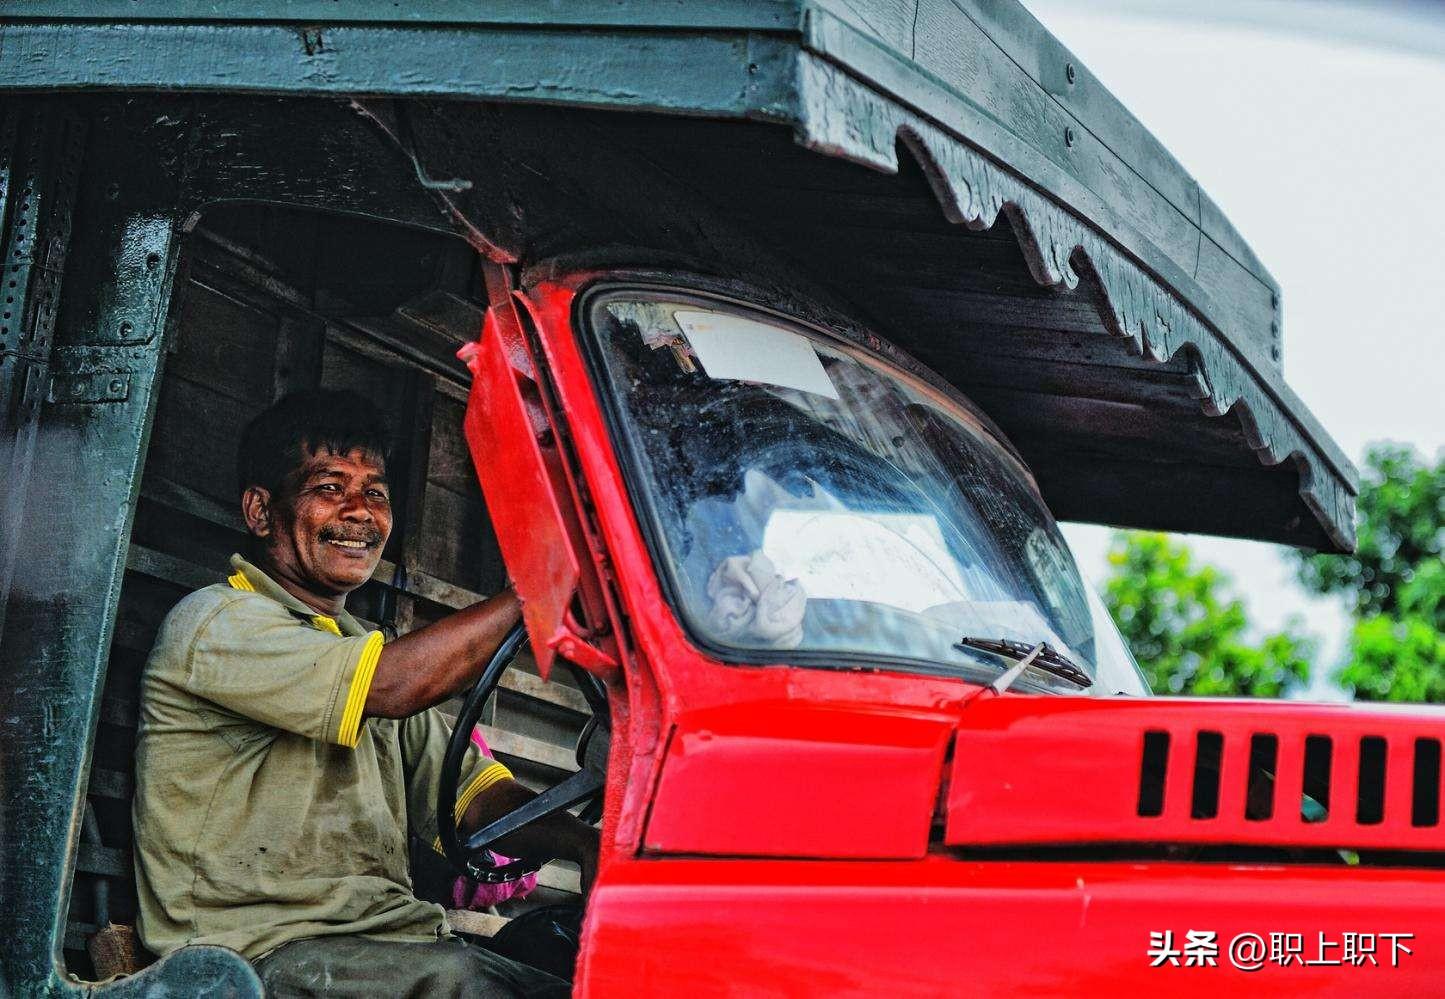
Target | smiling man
(285,753)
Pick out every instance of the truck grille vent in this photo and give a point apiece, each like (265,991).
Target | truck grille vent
(1370,771)
(1059,771)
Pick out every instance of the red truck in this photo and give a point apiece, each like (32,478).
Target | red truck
(760,345)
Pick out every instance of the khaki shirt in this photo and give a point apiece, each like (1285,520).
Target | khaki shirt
(266,809)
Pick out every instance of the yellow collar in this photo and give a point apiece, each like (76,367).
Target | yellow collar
(247,576)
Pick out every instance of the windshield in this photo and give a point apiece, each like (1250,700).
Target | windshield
(812,503)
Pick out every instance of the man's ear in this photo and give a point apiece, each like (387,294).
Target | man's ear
(256,510)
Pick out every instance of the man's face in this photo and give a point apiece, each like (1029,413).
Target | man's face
(325,530)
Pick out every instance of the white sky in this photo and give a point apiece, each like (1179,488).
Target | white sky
(1327,156)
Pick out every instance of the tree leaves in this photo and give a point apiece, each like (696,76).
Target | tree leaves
(1187,627)
(1190,631)
(1395,579)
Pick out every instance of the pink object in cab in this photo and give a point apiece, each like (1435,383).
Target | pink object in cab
(469,894)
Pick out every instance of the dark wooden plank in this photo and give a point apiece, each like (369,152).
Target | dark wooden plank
(145,601)
(446,314)
(196,436)
(180,497)
(1115,428)
(408,473)
(122,711)
(951,47)
(941,311)
(450,462)
(103,860)
(222,343)
(970,338)
(111,784)
(459,544)
(534,687)
(439,591)
(1176,496)
(183,573)
(410,467)
(1044,59)
(395,340)
(1246,303)
(1159,388)
(383,382)
(297,363)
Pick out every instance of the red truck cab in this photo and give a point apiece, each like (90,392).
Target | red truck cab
(837,799)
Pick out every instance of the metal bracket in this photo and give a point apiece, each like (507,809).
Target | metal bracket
(572,647)
(91,387)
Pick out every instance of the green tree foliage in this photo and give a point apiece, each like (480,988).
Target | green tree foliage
(1188,629)
(1395,580)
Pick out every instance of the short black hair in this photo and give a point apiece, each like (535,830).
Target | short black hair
(279,438)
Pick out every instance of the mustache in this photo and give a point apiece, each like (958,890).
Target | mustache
(369,535)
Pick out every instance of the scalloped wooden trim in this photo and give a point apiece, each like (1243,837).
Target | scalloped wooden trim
(854,123)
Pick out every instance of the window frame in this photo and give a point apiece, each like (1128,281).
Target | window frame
(649,519)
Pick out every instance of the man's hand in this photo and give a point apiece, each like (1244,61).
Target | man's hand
(561,836)
(424,668)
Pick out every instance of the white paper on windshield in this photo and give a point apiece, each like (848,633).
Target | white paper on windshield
(897,559)
(744,350)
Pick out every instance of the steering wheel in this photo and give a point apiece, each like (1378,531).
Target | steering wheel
(473,857)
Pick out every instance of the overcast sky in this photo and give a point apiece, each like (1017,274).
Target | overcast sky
(1320,136)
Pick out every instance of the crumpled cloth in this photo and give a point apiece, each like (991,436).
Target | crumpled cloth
(752,602)
(469,894)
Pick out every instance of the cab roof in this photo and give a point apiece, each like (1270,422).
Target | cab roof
(947,167)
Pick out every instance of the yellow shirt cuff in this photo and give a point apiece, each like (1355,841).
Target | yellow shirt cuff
(349,732)
(489,776)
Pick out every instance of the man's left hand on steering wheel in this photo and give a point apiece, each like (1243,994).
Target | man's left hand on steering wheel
(472,856)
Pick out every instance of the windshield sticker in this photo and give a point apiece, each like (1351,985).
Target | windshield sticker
(731,347)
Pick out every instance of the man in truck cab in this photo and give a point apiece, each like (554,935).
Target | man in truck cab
(285,753)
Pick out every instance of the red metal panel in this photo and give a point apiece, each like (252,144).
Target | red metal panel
(1399,775)
(1234,777)
(506,427)
(941,927)
(788,779)
(1289,773)
(1031,770)
(1344,772)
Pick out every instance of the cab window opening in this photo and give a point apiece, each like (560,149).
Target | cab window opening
(809,501)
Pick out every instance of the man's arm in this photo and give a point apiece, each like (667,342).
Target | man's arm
(424,668)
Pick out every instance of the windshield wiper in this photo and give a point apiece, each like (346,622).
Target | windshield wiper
(1022,654)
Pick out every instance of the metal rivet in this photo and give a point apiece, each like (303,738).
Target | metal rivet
(116,385)
(152,259)
(126,329)
(1068,136)
(1069,72)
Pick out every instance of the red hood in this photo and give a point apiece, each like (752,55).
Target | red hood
(863,781)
